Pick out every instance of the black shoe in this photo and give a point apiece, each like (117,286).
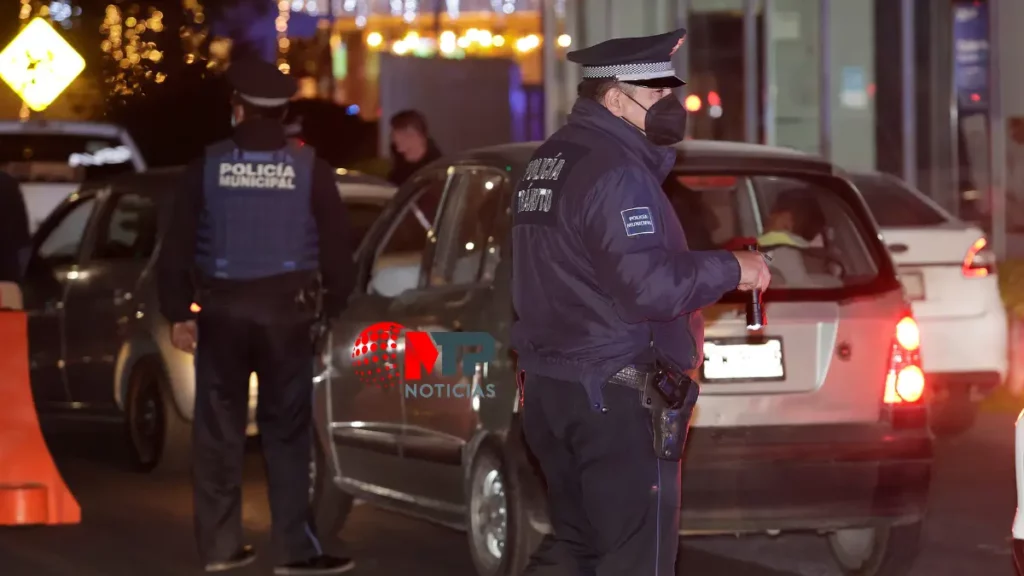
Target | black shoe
(245,556)
(316,566)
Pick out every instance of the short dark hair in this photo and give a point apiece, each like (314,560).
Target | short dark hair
(596,88)
(809,218)
(253,111)
(409,119)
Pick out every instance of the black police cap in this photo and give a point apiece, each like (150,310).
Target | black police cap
(260,83)
(644,61)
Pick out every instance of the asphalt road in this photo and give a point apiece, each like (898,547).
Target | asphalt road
(134,524)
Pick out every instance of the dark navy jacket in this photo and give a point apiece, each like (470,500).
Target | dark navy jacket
(258,220)
(602,276)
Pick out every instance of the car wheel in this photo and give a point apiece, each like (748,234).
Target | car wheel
(876,551)
(159,439)
(331,505)
(498,526)
(954,413)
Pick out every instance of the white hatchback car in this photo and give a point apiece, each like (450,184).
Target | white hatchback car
(950,277)
(50,160)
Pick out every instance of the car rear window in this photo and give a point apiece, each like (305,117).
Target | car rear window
(895,206)
(813,234)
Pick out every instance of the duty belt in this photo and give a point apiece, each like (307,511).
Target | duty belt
(633,377)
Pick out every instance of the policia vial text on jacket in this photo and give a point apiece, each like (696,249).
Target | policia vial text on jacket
(258,234)
(608,301)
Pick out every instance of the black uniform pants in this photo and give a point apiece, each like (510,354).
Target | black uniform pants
(614,505)
(230,347)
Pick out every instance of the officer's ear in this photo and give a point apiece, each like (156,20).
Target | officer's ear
(614,101)
(238,111)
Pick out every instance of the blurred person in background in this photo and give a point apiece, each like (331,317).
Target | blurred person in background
(15,240)
(412,147)
(261,240)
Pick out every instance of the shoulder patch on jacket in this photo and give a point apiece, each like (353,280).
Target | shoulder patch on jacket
(638,221)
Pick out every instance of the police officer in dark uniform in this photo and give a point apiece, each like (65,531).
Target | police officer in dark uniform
(257,234)
(15,240)
(608,298)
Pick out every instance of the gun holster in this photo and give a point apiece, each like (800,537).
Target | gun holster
(671,397)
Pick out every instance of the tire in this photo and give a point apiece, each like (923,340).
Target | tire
(954,414)
(876,551)
(159,439)
(501,539)
(331,506)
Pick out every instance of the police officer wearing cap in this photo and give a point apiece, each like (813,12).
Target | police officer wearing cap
(257,234)
(607,299)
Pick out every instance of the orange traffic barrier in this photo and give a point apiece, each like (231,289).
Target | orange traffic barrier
(31,488)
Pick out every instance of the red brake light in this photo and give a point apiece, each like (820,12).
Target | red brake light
(979,261)
(905,381)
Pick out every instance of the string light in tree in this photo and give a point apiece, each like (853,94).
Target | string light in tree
(281,25)
(130,46)
(508,6)
(453,8)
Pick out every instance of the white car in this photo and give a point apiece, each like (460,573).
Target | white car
(950,278)
(50,160)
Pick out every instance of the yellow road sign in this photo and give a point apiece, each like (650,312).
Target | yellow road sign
(39,64)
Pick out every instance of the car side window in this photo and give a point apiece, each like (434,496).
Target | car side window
(466,228)
(129,228)
(63,241)
(399,260)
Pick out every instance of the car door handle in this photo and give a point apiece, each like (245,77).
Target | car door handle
(898,248)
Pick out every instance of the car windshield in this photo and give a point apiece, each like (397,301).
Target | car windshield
(895,206)
(815,239)
(64,158)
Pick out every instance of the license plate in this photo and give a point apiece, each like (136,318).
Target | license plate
(742,361)
(913,283)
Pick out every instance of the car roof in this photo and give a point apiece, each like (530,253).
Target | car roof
(61,127)
(693,155)
(364,191)
(351,183)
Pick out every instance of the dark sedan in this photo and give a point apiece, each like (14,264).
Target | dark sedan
(98,348)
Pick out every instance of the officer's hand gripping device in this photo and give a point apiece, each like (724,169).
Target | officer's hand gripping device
(756,318)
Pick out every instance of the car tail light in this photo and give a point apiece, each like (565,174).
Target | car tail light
(979,261)
(905,382)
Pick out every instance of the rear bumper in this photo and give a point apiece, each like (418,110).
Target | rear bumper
(972,345)
(804,478)
(823,477)
(982,383)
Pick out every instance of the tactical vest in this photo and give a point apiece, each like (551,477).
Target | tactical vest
(258,220)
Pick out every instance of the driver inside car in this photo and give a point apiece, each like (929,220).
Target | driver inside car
(794,230)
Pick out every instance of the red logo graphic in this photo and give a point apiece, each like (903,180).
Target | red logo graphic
(375,354)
